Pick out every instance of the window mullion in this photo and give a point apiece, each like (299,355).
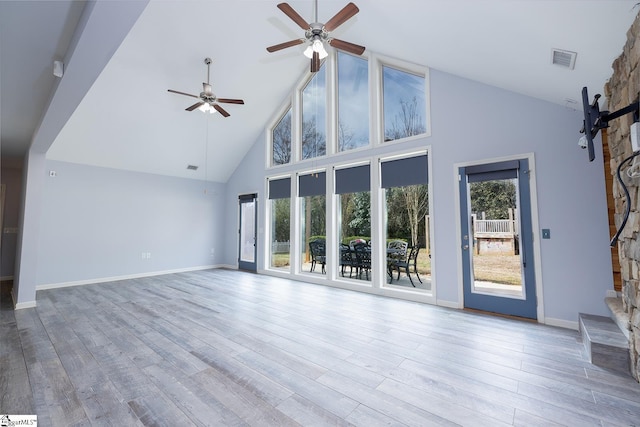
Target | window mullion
(331,104)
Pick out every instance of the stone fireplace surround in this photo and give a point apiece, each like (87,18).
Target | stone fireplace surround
(621,90)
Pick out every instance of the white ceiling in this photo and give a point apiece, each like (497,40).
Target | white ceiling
(128,120)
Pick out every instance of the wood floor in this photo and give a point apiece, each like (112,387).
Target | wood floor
(227,348)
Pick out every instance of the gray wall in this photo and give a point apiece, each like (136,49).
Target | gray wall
(96,223)
(470,122)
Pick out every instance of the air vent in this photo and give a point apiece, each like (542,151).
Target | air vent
(563,58)
(192,167)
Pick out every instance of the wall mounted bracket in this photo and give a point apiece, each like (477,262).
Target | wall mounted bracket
(594,119)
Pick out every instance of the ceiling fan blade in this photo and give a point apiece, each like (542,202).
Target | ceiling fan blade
(182,93)
(295,17)
(341,17)
(206,88)
(230,101)
(285,45)
(194,106)
(315,62)
(346,46)
(221,110)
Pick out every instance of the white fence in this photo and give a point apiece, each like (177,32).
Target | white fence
(494,227)
(280,247)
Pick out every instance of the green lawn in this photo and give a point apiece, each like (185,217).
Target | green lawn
(497,268)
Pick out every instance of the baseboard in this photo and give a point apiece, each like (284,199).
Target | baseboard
(28,304)
(448,304)
(125,277)
(19,306)
(567,324)
(3,278)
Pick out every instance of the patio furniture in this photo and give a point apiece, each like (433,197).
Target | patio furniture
(411,262)
(317,248)
(363,259)
(347,259)
(396,252)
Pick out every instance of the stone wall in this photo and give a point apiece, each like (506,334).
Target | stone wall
(622,89)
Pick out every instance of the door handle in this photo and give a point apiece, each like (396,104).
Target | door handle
(465,247)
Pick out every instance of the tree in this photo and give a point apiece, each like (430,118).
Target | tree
(494,198)
(282,141)
(314,143)
(407,123)
(416,199)
(282,230)
(361,221)
(345,137)
(397,218)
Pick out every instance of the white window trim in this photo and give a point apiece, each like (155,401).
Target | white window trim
(275,120)
(408,67)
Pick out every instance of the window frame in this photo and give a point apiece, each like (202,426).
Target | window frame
(407,67)
(273,123)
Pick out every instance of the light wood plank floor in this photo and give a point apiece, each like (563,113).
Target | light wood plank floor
(226,348)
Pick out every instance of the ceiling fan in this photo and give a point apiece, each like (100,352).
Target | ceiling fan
(208,101)
(317,33)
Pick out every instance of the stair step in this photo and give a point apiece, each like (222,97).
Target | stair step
(618,315)
(605,344)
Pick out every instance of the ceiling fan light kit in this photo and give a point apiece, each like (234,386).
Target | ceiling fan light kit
(208,100)
(317,33)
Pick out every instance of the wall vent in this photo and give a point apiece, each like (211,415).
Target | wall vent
(192,167)
(563,58)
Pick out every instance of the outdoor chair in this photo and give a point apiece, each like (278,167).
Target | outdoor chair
(410,263)
(363,259)
(396,252)
(346,259)
(317,249)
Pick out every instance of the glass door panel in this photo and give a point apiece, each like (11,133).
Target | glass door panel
(247,239)
(497,247)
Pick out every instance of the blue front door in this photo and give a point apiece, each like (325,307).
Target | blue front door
(497,246)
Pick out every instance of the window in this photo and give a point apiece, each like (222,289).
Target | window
(281,140)
(313,224)
(353,102)
(354,221)
(327,126)
(407,219)
(404,104)
(314,96)
(280,200)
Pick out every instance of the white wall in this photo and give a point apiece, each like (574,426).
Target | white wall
(96,223)
(470,122)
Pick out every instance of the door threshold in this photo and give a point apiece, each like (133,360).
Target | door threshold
(506,316)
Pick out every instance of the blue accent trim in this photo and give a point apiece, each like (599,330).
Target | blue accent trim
(494,303)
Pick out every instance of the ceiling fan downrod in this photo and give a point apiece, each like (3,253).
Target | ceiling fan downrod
(208,62)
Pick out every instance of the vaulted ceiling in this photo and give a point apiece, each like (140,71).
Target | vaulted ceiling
(125,118)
